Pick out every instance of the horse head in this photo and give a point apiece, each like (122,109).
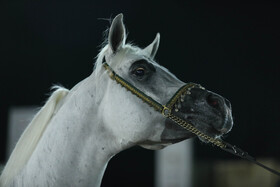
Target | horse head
(138,123)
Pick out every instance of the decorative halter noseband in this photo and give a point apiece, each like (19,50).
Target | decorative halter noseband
(166,111)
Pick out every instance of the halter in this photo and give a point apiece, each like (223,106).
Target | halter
(166,111)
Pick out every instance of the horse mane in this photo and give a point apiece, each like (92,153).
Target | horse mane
(31,136)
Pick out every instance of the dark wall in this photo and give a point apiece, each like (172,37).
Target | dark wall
(232,50)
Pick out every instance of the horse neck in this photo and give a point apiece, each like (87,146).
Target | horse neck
(75,148)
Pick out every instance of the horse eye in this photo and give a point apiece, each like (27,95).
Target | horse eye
(139,72)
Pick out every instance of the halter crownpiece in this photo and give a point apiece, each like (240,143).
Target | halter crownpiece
(166,111)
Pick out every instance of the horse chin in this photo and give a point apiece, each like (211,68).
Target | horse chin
(161,145)
(164,142)
(208,129)
(155,146)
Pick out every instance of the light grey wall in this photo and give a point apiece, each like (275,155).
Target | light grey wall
(174,165)
(19,118)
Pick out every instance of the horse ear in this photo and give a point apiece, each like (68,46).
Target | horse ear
(117,33)
(151,49)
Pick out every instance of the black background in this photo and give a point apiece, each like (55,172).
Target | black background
(232,50)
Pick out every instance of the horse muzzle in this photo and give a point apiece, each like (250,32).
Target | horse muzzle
(205,110)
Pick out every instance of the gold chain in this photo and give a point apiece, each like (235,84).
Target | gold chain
(195,131)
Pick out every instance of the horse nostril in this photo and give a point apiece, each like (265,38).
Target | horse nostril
(213,100)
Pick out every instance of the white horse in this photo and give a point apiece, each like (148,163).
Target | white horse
(72,138)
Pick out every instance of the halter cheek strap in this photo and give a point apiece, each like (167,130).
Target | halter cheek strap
(166,111)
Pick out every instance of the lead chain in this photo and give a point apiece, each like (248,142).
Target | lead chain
(195,131)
